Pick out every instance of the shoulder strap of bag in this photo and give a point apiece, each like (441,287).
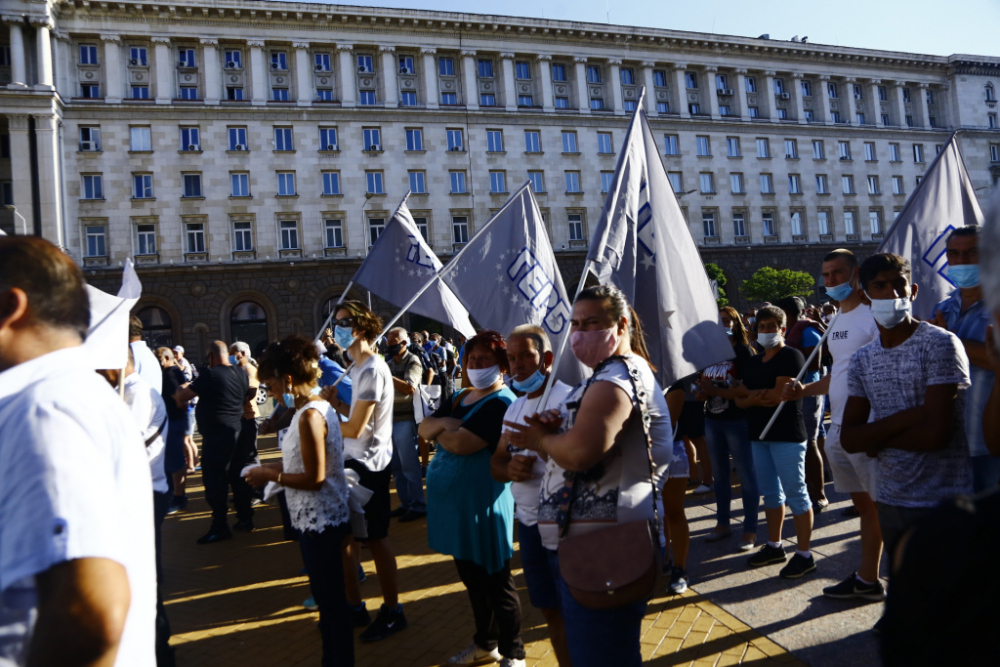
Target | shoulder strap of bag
(156,435)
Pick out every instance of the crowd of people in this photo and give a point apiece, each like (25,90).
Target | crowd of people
(901,413)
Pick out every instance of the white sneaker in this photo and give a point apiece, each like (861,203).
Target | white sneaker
(702,490)
(473,655)
(512,662)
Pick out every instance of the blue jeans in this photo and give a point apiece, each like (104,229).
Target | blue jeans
(781,475)
(729,437)
(405,466)
(599,637)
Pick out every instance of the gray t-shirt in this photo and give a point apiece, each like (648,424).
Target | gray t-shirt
(896,379)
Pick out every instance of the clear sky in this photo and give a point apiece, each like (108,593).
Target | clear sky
(937,27)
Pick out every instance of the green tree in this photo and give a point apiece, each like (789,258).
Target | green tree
(716,274)
(770,284)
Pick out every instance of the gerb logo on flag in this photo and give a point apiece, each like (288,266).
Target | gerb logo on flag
(418,254)
(538,288)
(937,250)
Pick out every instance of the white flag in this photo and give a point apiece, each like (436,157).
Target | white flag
(643,246)
(107,338)
(944,201)
(400,263)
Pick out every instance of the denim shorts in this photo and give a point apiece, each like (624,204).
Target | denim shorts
(538,574)
(680,466)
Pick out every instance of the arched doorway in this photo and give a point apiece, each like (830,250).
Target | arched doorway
(248,322)
(157,328)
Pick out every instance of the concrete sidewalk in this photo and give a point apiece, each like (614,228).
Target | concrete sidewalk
(239,603)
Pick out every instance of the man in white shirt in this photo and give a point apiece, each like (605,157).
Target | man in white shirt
(146,363)
(852,473)
(77,567)
(530,355)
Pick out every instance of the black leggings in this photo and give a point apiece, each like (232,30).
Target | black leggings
(496,608)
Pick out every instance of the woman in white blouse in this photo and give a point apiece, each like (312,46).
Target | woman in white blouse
(312,472)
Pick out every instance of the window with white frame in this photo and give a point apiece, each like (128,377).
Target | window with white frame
(234,93)
(707,182)
(494,141)
(763,148)
(691,80)
(733,146)
(703,144)
(140,92)
(575,221)
(422,227)
(328,139)
(371,139)
(558,72)
(373,180)
(708,223)
(607,180)
(238,139)
(794,184)
(537,180)
(779,86)
(894,154)
(457,180)
(190,138)
(849,223)
(807,88)
(192,185)
(676,179)
(186,58)
(593,74)
(194,233)
(140,139)
(446,66)
(289,234)
(145,239)
(321,62)
(456,142)
(88,54)
(875,221)
(331,183)
(96,240)
(286,183)
(418,181)
(367,98)
(672,144)
(822,185)
(92,186)
(844,147)
(569,142)
(242,236)
(795,221)
(766,184)
(991,94)
(240,184)
(485,66)
(918,153)
(532,141)
(897,185)
(781,114)
(847,184)
(90,139)
(366,64)
(791,149)
(994,152)
(522,69)
(485,99)
(283,139)
(883,94)
(873,185)
(375,228)
(604,145)
(767,222)
(823,222)
(460,229)
(414,139)
(498,182)
(736,183)
(739,224)
(406,98)
(832,91)
(142,186)
(751,84)
(870,155)
(234,59)
(573,182)
(333,233)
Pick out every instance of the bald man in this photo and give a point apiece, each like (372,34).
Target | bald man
(221,389)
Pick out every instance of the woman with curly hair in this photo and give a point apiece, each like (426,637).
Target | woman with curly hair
(312,472)
(470,516)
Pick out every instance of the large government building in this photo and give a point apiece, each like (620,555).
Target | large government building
(245,154)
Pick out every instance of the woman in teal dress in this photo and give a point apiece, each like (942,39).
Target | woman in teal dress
(469,515)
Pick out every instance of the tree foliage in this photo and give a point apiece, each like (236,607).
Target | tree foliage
(716,274)
(770,284)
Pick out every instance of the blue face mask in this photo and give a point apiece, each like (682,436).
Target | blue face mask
(964,275)
(344,336)
(532,384)
(289,400)
(232,359)
(840,292)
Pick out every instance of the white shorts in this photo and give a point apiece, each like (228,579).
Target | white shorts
(852,473)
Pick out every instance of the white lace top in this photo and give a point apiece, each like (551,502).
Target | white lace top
(315,510)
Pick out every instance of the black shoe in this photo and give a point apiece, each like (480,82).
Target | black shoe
(360,616)
(398,512)
(879,626)
(767,555)
(850,511)
(177,503)
(387,623)
(798,566)
(853,588)
(412,515)
(215,535)
(244,526)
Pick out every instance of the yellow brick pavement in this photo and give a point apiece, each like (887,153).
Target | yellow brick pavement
(239,603)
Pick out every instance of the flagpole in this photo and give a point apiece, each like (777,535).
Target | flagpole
(802,372)
(561,346)
(343,295)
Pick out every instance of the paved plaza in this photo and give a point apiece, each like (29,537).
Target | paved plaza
(239,602)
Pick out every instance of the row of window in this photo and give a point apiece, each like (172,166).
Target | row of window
(796,223)
(737,184)
(703,148)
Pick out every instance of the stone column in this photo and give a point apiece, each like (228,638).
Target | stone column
(389,69)
(348,81)
(900,103)
(164,70)
(17,125)
(18,70)
(800,109)
(876,102)
(470,79)
(647,79)
(545,73)
(824,98)
(509,81)
(852,104)
(112,68)
(924,107)
(741,86)
(711,88)
(213,80)
(43,43)
(615,74)
(49,191)
(680,86)
(303,74)
(582,96)
(62,65)
(768,96)
(258,73)
(431,78)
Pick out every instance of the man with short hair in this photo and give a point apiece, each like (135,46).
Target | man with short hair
(854,474)
(247,443)
(406,371)
(964,313)
(190,372)
(146,363)
(175,465)
(222,390)
(77,561)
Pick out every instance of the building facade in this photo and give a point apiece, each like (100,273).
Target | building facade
(246,154)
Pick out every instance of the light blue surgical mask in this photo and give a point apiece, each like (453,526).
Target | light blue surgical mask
(889,313)
(840,292)
(532,384)
(289,400)
(232,359)
(964,275)
(344,336)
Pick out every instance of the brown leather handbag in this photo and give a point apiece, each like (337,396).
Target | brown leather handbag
(616,566)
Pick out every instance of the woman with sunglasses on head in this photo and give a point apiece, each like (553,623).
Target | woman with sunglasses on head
(470,516)
(598,476)
(368,450)
(312,472)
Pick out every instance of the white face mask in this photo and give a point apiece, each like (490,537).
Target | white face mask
(481,378)
(890,312)
(768,340)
